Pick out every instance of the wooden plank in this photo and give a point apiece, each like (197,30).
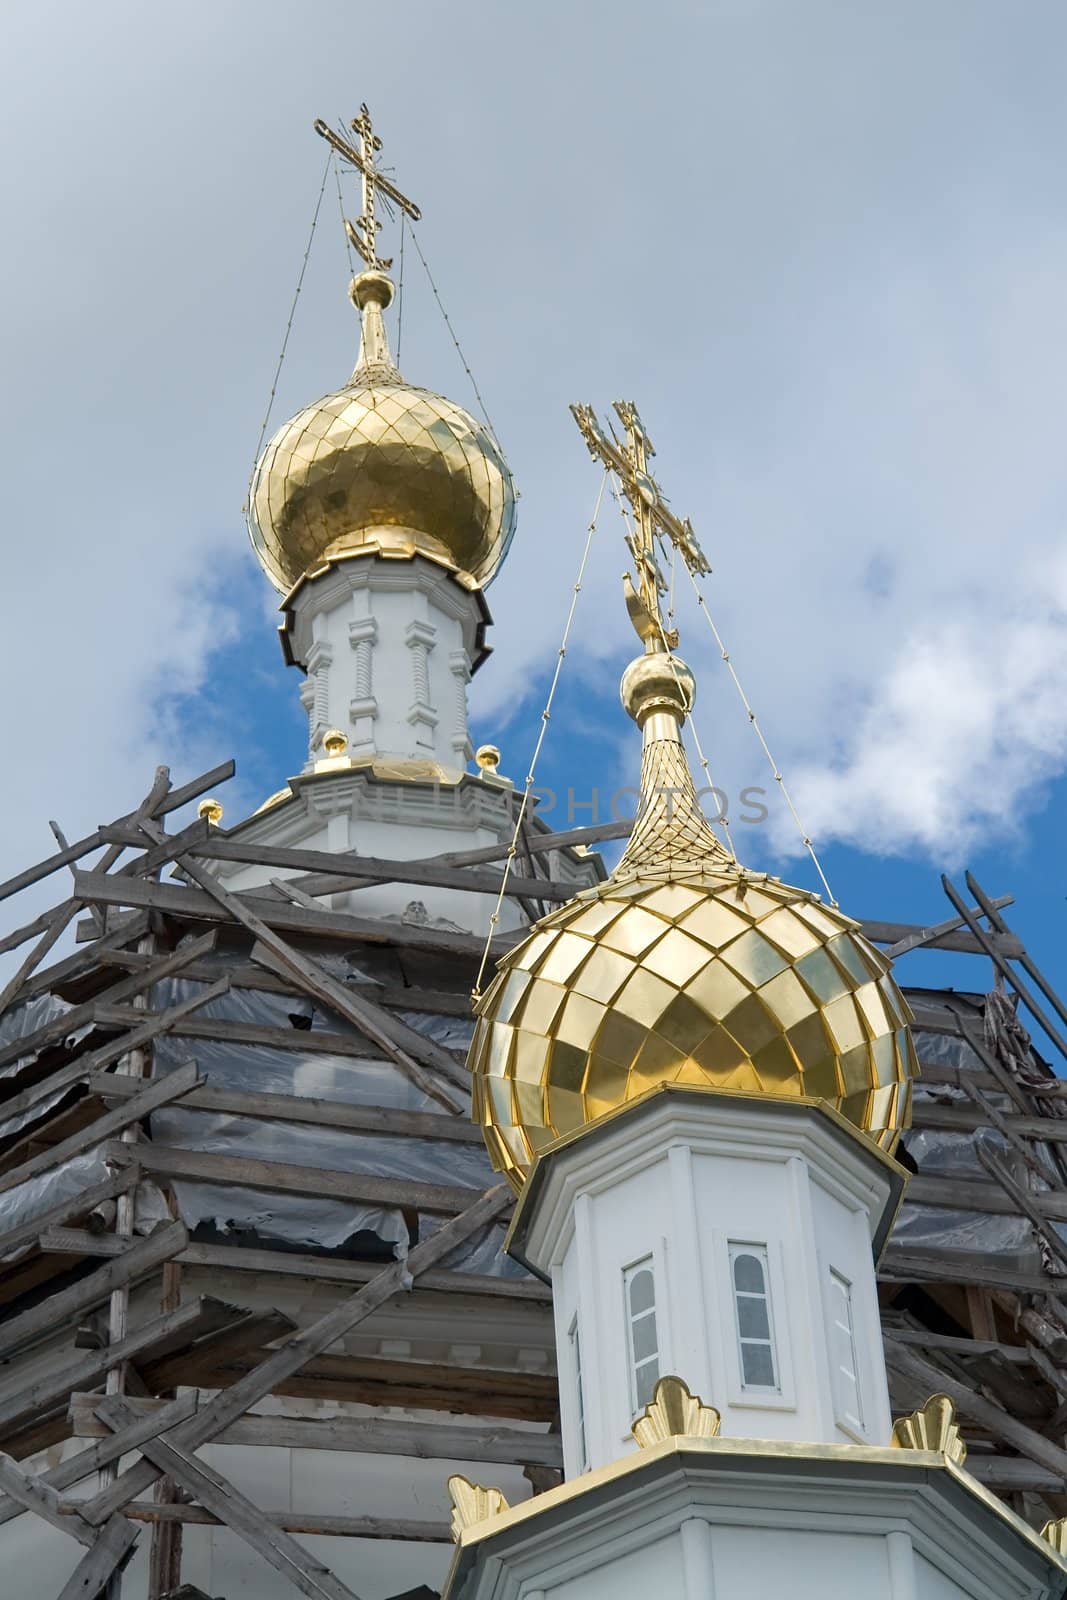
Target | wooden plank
(107,950)
(1023,1202)
(110,1549)
(195,906)
(968,1194)
(900,1265)
(85,1065)
(220,1496)
(979,1409)
(930,935)
(162,1244)
(1015,1354)
(993,946)
(330,1269)
(232,1403)
(163,1161)
(60,919)
(32,1494)
(428,1441)
(83,1202)
(307,1109)
(19,1399)
(143,978)
(308,1522)
(308,1042)
(965,1119)
(159,1092)
(40,924)
(111,1448)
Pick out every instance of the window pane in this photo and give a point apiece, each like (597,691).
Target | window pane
(646,1378)
(757,1366)
(748,1274)
(642,1292)
(752,1319)
(644,1332)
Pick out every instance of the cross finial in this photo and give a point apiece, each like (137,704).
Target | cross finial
(363,233)
(654,521)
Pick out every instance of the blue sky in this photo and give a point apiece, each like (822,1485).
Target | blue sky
(823,246)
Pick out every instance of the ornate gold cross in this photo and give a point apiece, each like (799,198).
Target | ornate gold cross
(363,233)
(653,518)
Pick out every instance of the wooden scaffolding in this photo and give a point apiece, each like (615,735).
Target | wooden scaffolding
(105,1335)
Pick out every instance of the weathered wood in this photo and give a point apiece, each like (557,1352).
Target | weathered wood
(40,924)
(930,935)
(85,1201)
(105,950)
(83,1066)
(309,1042)
(306,1109)
(19,1399)
(993,944)
(110,1549)
(58,924)
(966,1119)
(162,1244)
(979,1409)
(143,978)
(196,906)
(973,1194)
(329,1269)
(428,1441)
(282,1363)
(1016,1354)
(900,1265)
(32,1494)
(220,1496)
(992,908)
(1025,1203)
(159,1092)
(287,1178)
(111,1448)
(1013,1474)
(305,1522)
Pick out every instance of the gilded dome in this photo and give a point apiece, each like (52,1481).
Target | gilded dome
(381,467)
(684,968)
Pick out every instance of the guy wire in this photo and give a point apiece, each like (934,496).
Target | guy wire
(476,992)
(452,331)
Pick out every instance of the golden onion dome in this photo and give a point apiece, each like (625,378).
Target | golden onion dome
(684,968)
(383,468)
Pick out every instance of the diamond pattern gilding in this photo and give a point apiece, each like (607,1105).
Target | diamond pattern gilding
(763,1013)
(381,467)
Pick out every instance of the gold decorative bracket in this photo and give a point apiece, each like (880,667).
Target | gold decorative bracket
(934,1427)
(363,233)
(471,1503)
(675,1413)
(1056,1535)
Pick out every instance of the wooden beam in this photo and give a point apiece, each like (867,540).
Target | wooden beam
(82,1203)
(221,1497)
(84,1066)
(152,972)
(306,1109)
(96,1567)
(111,1448)
(106,950)
(308,1522)
(32,1494)
(971,1194)
(307,1042)
(162,1244)
(358,1188)
(282,1363)
(901,1265)
(427,1441)
(60,918)
(993,946)
(159,1092)
(19,1399)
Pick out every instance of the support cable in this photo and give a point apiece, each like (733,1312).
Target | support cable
(341,207)
(288,329)
(400,288)
(494,919)
(452,331)
(754,722)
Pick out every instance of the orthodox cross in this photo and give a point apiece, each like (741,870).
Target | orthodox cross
(363,233)
(654,521)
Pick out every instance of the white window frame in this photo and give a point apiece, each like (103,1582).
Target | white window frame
(782,1398)
(739,1249)
(851,1423)
(647,1263)
(581,1441)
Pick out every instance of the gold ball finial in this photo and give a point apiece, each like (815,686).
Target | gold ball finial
(334,742)
(487,757)
(369,288)
(210,810)
(657,682)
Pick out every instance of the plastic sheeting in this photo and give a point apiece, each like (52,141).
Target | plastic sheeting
(294,1221)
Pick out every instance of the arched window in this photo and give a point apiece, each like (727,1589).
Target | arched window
(752,1314)
(844,1365)
(640,1285)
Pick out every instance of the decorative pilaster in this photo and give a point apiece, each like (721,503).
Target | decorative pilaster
(420,638)
(319,659)
(363,707)
(460,667)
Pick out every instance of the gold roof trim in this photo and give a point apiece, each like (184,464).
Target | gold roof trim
(675,1413)
(932,1427)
